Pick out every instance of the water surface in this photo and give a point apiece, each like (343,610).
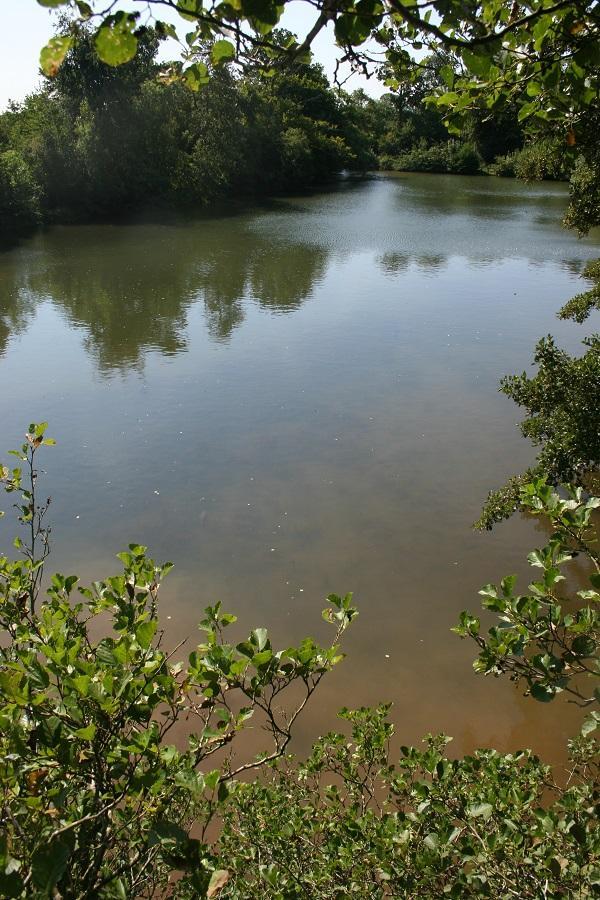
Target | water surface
(302,399)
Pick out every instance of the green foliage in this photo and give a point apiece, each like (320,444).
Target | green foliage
(19,194)
(542,159)
(348,822)
(101,139)
(544,637)
(579,307)
(505,166)
(95,801)
(537,161)
(563,418)
(584,208)
(452,157)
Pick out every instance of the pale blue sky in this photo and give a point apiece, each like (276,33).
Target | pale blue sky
(25,27)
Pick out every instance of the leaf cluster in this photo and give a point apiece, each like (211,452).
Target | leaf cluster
(546,638)
(563,414)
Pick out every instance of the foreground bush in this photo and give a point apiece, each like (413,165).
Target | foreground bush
(350,822)
(94,800)
(97,801)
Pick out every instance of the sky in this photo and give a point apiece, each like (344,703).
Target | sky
(25,27)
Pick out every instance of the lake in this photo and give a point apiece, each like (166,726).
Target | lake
(298,399)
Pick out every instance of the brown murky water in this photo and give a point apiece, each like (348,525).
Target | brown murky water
(302,399)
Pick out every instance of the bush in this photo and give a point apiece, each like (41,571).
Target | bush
(348,821)
(505,166)
(543,160)
(563,416)
(584,206)
(94,801)
(452,157)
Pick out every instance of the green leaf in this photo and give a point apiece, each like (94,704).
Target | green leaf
(480,811)
(259,637)
(48,864)
(196,76)
(144,633)
(590,724)
(266,13)
(115,43)
(432,841)
(53,54)
(85,10)
(536,558)
(584,645)
(477,63)
(187,8)
(542,693)
(88,733)
(222,52)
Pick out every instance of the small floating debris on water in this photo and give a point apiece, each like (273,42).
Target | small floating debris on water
(387,655)
(157,492)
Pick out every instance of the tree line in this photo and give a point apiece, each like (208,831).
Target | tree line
(98,140)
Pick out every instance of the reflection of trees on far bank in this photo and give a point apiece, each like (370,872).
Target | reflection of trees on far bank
(15,307)
(278,277)
(393,263)
(130,288)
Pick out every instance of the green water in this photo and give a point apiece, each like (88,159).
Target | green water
(302,399)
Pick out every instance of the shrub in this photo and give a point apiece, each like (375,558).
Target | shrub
(349,822)
(452,157)
(541,160)
(563,417)
(95,802)
(505,166)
